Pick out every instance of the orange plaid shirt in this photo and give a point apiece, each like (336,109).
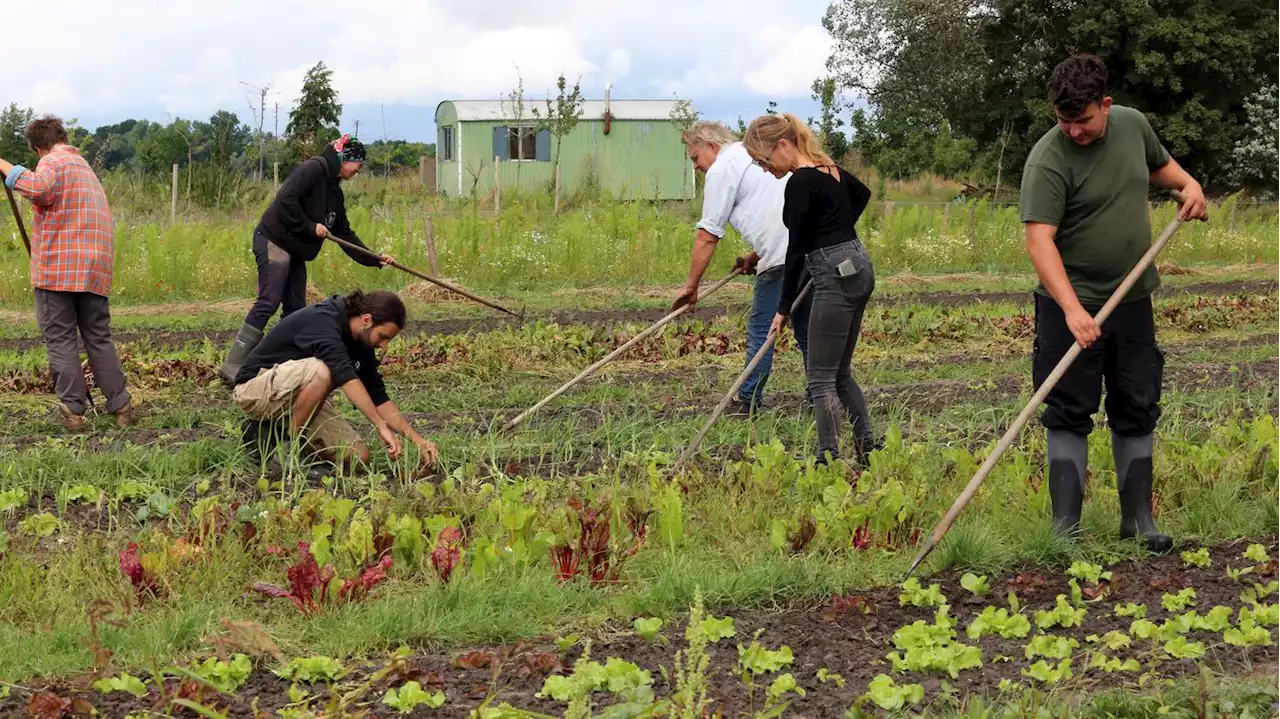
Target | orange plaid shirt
(73,242)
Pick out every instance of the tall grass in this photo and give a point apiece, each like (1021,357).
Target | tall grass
(207,256)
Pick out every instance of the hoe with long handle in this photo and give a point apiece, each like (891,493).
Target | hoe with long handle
(421,275)
(1012,433)
(616,353)
(737,384)
(17,215)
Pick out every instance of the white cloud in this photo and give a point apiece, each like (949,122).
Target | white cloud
(618,65)
(190,58)
(789,67)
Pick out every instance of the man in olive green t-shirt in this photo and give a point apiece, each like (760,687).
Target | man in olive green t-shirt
(1084,205)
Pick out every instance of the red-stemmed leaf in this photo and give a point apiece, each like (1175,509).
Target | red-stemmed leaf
(144,584)
(369,577)
(565,562)
(447,551)
(804,534)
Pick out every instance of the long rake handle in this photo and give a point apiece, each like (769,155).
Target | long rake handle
(737,384)
(421,275)
(17,215)
(616,353)
(1023,417)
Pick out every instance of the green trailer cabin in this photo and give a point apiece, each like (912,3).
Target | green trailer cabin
(629,148)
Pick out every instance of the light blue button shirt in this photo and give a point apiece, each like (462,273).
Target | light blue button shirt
(739,193)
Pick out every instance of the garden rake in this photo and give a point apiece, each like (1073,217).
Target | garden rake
(737,384)
(17,215)
(423,276)
(618,352)
(1043,391)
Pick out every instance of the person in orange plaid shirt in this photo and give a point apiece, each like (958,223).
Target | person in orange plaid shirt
(72,257)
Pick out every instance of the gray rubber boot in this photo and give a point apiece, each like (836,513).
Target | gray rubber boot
(246,339)
(1133,482)
(1068,465)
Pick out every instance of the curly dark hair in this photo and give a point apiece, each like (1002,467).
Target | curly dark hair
(1076,83)
(44,133)
(384,306)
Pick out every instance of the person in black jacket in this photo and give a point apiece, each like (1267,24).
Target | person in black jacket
(290,234)
(821,204)
(307,355)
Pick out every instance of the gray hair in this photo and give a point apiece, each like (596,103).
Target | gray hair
(708,133)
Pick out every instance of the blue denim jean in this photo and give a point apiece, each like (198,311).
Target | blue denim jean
(764,305)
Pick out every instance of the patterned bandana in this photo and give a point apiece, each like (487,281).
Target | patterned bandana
(349,149)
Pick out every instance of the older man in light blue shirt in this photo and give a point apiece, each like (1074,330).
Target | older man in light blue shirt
(752,203)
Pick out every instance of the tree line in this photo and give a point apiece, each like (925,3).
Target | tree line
(217,155)
(957,87)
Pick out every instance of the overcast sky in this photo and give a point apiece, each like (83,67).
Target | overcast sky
(102,62)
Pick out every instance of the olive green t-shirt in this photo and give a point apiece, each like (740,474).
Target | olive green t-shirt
(1096,195)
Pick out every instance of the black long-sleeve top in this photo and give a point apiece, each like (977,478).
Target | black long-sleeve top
(312,195)
(819,211)
(323,331)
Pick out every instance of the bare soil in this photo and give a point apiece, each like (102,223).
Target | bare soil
(605,317)
(922,397)
(849,635)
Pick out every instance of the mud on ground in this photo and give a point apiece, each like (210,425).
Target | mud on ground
(848,635)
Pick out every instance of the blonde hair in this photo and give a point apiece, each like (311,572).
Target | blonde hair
(765,132)
(708,133)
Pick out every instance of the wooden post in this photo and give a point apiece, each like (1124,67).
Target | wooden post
(173,201)
(1231,217)
(556,209)
(497,185)
(973,225)
(275,176)
(431,244)
(946,216)
(888,209)
(422,170)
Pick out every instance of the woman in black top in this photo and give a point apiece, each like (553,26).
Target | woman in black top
(823,202)
(309,205)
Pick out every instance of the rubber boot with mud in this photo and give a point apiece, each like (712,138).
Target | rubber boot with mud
(1133,482)
(246,339)
(1068,466)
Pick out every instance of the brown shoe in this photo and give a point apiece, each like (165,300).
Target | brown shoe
(70,420)
(127,416)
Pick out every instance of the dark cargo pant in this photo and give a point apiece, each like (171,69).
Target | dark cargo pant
(282,280)
(60,315)
(1126,357)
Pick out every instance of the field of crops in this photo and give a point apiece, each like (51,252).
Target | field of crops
(591,243)
(564,569)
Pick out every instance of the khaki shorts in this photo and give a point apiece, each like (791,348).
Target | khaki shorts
(270,396)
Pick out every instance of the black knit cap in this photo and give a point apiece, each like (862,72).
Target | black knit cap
(349,149)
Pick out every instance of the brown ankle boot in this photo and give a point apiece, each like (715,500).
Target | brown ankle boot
(127,416)
(70,420)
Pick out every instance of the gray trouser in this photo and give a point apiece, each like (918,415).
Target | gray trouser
(60,315)
(834,323)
